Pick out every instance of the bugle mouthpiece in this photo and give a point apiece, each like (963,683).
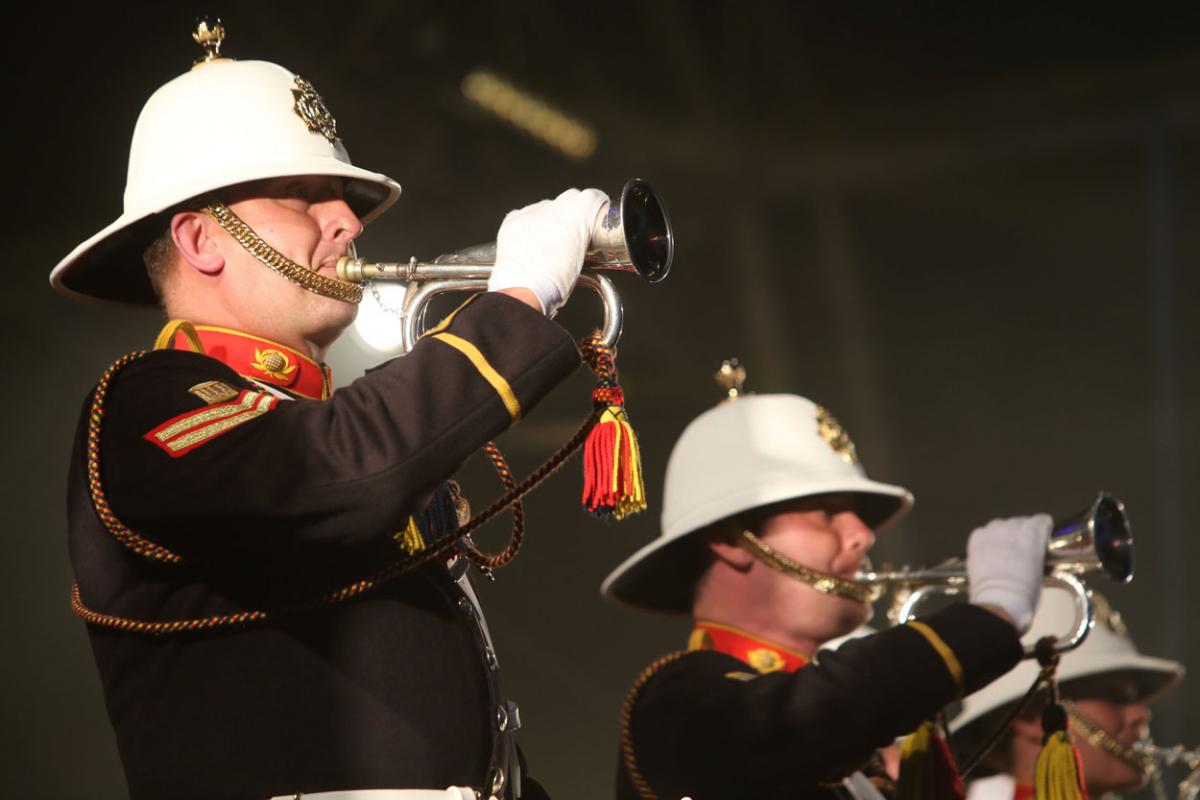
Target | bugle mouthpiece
(350,269)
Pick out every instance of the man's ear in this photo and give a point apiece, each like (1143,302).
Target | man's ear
(723,543)
(190,232)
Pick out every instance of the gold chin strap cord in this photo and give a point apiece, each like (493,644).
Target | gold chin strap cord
(305,278)
(1099,738)
(821,581)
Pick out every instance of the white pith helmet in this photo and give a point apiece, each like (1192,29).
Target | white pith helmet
(741,455)
(1108,648)
(223,123)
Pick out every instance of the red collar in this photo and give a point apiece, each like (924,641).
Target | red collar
(255,358)
(764,656)
(1023,792)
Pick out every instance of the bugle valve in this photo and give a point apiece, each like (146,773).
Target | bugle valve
(1099,539)
(633,235)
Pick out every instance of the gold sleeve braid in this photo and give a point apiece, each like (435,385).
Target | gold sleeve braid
(485,369)
(477,359)
(445,323)
(936,642)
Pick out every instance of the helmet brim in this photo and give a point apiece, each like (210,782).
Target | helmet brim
(662,575)
(108,266)
(1155,677)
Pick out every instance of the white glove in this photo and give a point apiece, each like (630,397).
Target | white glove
(540,247)
(1006,565)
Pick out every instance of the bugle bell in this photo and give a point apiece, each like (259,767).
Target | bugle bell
(1098,539)
(634,235)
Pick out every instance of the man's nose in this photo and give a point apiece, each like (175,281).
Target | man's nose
(338,221)
(1137,716)
(855,533)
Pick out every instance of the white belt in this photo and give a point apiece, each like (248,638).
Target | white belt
(453,793)
(859,787)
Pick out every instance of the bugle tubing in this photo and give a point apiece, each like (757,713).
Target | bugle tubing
(633,235)
(1098,539)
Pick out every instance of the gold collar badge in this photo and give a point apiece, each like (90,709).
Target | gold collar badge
(312,109)
(765,660)
(274,363)
(829,429)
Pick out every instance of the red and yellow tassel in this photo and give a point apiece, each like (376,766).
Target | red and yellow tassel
(612,461)
(927,768)
(612,466)
(1059,772)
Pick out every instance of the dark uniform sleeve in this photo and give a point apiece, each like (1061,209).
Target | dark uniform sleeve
(706,727)
(304,475)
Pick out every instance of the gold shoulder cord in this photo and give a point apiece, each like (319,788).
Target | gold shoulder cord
(635,691)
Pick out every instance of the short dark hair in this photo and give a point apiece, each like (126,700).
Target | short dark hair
(158,257)
(696,558)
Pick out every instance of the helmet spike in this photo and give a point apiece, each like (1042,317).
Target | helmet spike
(730,377)
(209,34)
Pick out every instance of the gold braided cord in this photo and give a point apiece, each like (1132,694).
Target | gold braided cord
(305,278)
(148,549)
(108,518)
(821,581)
(157,628)
(485,561)
(510,499)
(627,749)
(1102,739)
(341,595)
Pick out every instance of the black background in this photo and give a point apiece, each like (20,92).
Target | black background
(967,229)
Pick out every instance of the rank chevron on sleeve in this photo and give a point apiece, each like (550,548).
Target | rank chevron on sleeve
(186,432)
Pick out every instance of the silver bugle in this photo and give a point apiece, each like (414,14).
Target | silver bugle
(1177,754)
(1157,756)
(634,235)
(1098,539)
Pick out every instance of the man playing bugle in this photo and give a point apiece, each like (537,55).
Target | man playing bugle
(1106,685)
(767,517)
(258,559)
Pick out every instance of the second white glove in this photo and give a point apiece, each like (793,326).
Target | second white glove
(541,247)
(1006,565)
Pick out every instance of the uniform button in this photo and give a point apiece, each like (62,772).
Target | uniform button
(502,718)
(489,655)
(466,606)
(512,713)
(498,781)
